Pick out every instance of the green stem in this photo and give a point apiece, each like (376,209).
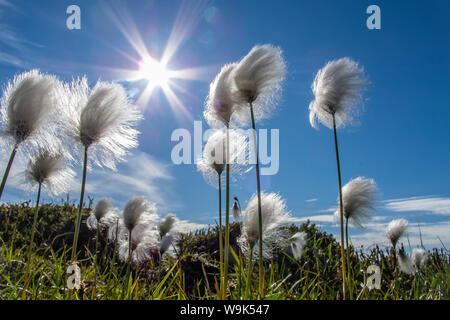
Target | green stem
(258,186)
(8,167)
(80,209)
(33,231)
(249,274)
(227,218)
(220,235)
(341,208)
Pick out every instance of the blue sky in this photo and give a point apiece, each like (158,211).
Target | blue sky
(401,141)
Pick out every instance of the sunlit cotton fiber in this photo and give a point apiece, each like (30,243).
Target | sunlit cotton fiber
(337,89)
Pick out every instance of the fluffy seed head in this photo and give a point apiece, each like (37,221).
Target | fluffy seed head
(139,211)
(258,78)
(220,103)
(102,119)
(104,214)
(359,197)
(337,90)
(412,264)
(28,107)
(214,157)
(419,257)
(166,224)
(274,216)
(298,242)
(395,230)
(165,244)
(405,263)
(50,168)
(144,245)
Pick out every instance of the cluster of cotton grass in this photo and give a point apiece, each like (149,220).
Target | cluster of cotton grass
(138,234)
(40,114)
(243,92)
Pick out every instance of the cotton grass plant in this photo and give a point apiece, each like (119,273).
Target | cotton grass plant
(337,89)
(359,197)
(100,120)
(48,169)
(274,215)
(28,108)
(257,79)
(225,149)
(395,230)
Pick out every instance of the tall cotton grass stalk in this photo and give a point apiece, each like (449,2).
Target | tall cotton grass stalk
(27,110)
(220,107)
(225,149)
(258,78)
(359,197)
(47,168)
(337,91)
(394,231)
(101,121)
(298,243)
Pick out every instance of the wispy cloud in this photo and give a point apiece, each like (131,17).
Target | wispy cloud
(375,234)
(141,174)
(430,204)
(327,218)
(312,200)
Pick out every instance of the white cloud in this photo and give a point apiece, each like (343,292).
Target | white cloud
(375,234)
(436,205)
(327,218)
(312,200)
(141,174)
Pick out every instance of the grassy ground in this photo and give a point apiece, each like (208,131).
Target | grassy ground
(194,273)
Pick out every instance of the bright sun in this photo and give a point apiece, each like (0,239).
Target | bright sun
(154,71)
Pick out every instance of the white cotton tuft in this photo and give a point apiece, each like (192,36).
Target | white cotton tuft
(258,77)
(144,245)
(214,157)
(166,224)
(28,109)
(359,197)
(165,244)
(220,103)
(412,264)
(395,230)
(419,257)
(274,216)
(298,243)
(50,168)
(405,263)
(337,90)
(101,119)
(139,211)
(104,214)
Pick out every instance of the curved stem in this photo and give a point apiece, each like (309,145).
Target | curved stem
(341,209)
(33,231)
(8,167)
(80,208)
(258,186)
(220,234)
